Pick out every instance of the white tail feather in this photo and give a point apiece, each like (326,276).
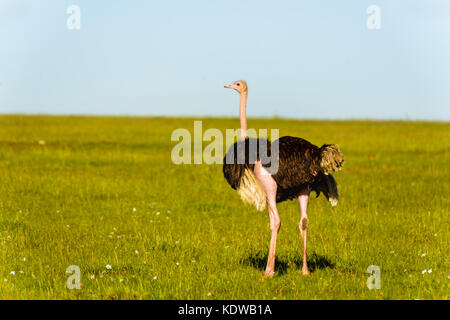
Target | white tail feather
(251,191)
(333,201)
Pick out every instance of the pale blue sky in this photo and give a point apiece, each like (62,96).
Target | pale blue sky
(301,59)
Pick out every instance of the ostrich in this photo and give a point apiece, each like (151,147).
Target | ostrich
(302,168)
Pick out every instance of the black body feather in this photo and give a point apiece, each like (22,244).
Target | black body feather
(239,157)
(303,167)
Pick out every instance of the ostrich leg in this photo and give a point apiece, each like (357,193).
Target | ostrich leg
(270,187)
(303,226)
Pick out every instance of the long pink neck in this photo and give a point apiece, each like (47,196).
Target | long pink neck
(242,115)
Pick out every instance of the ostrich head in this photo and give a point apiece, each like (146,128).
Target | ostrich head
(240,86)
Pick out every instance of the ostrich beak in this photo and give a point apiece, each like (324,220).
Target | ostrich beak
(229,86)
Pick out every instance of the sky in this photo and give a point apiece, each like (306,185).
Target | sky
(301,59)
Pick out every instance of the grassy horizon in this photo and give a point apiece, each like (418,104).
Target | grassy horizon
(94,191)
(200,117)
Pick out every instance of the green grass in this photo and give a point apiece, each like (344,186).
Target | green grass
(70,202)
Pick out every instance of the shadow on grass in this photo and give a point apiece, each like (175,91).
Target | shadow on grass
(282,264)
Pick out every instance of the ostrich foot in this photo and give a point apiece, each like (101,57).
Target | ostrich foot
(305,272)
(268,274)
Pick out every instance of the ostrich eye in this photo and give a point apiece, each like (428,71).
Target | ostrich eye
(238,84)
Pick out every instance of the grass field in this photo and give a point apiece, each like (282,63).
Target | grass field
(100,191)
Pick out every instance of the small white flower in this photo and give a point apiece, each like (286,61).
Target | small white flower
(24,259)
(134,209)
(108,267)
(423,255)
(121,280)
(430,271)
(136,252)
(158,213)
(177,263)
(209,294)
(6,280)
(424,271)
(404,270)
(155,277)
(13,273)
(92,276)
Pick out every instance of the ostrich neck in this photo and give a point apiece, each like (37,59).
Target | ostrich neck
(242,115)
